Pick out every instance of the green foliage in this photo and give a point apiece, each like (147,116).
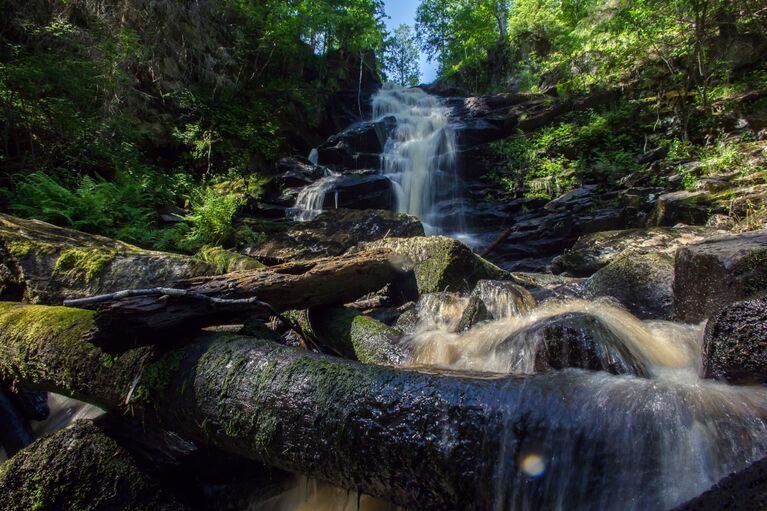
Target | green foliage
(91,205)
(212,217)
(401,57)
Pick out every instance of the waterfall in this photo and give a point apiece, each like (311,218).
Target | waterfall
(420,157)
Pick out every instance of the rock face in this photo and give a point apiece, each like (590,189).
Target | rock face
(294,172)
(595,251)
(641,282)
(735,345)
(718,271)
(334,232)
(80,468)
(45,264)
(442,264)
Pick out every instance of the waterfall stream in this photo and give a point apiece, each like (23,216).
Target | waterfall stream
(420,156)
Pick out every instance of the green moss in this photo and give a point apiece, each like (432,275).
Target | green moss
(156,377)
(23,249)
(85,263)
(19,249)
(226,261)
(26,331)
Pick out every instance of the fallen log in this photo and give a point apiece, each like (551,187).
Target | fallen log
(140,317)
(427,441)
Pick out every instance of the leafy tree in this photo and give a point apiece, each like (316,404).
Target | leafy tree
(401,57)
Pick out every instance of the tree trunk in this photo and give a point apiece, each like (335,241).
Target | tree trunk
(297,285)
(424,441)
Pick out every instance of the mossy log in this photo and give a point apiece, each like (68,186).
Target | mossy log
(296,285)
(80,468)
(424,441)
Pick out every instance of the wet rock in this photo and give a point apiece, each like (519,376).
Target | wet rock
(440,263)
(745,490)
(719,271)
(80,468)
(296,172)
(641,282)
(576,340)
(353,147)
(47,264)
(357,336)
(360,192)
(334,232)
(735,345)
(492,299)
(596,250)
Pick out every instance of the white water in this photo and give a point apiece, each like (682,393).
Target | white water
(310,200)
(420,155)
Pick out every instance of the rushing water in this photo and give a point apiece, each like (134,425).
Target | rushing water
(420,156)
(310,200)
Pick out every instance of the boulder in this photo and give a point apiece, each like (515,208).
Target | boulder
(46,264)
(334,232)
(735,346)
(641,282)
(80,468)
(577,340)
(718,271)
(596,250)
(357,336)
(442,264)
(681,207)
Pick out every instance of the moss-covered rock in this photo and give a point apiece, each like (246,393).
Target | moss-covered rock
(225,261)
(80,469)
(42,263)
(442,264)
(357,336)
(641,282)
(334,232)
(594,251)
(719,271)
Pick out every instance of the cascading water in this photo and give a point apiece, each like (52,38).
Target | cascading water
(420,158)
(311,199)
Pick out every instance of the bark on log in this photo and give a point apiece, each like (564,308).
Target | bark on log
(421,440)
(141,320)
